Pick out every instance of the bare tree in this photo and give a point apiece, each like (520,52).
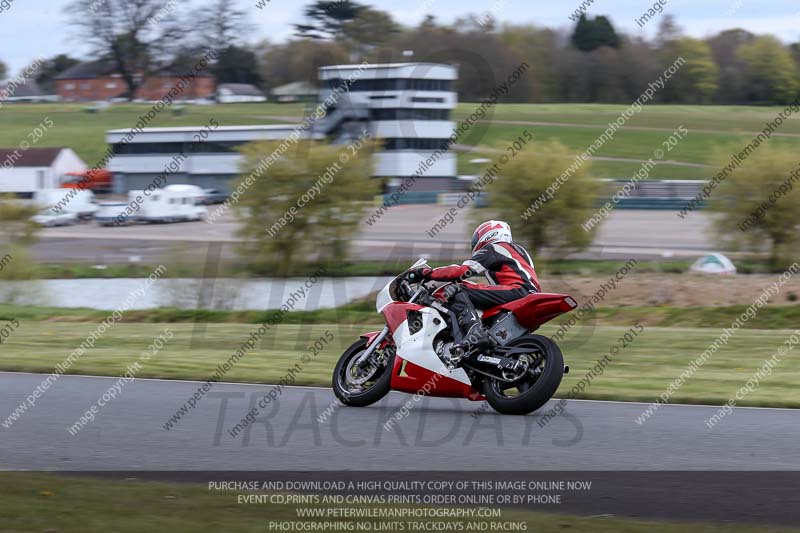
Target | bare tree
(136,35)
(223,23)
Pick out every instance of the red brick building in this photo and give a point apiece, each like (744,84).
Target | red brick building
(99,80)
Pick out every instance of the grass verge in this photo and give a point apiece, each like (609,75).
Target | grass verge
(363,312)
(361,268)
(640,372)
(545,268)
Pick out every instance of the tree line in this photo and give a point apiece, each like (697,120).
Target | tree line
(589,62)
(147,38)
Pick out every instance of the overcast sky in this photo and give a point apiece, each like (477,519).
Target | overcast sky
(37,28)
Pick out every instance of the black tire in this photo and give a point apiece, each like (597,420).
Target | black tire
(540,391)
(370,395)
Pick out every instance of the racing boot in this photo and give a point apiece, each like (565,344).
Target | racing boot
(476,341)
(476,337)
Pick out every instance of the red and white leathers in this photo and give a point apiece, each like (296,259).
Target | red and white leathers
(508,268)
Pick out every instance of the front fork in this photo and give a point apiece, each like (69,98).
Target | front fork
(364,357)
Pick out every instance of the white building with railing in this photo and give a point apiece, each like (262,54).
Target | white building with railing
(176,154)
(407,106)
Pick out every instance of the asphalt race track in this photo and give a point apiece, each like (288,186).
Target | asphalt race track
(401,233)
(745,470)
(437,434)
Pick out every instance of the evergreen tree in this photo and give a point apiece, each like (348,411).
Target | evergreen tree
(592,34)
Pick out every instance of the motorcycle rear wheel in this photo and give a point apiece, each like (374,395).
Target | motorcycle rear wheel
(532,391)
(347,380)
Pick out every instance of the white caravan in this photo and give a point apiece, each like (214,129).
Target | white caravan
(173,203)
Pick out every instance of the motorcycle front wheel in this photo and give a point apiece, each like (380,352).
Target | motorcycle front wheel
(359,387)
(544,368)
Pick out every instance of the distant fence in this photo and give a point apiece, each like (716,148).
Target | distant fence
(411,197)
(651,194)
(655,194)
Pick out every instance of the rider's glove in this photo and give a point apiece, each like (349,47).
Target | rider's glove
(420,274)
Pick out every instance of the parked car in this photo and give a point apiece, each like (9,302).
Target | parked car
(113,214)
(50,218)
(174,203)
(213,196)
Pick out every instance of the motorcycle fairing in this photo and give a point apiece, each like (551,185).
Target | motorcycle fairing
(413,379)
(535,309)
(416,366)
(370,336)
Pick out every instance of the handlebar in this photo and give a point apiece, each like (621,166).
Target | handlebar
(407,289)
(413,296)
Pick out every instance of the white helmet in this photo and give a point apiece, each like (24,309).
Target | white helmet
(490,231)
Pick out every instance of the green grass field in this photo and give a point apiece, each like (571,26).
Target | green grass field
(640,372)
(575,125)
(47,502)
(773,317)
(712,117)
(85,132)
(602,168)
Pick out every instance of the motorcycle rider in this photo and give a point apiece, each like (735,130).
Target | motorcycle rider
(508,268)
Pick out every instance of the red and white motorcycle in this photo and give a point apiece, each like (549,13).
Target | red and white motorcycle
(413,352)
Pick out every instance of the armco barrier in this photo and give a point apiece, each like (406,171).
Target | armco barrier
(411,197)
(652,194)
